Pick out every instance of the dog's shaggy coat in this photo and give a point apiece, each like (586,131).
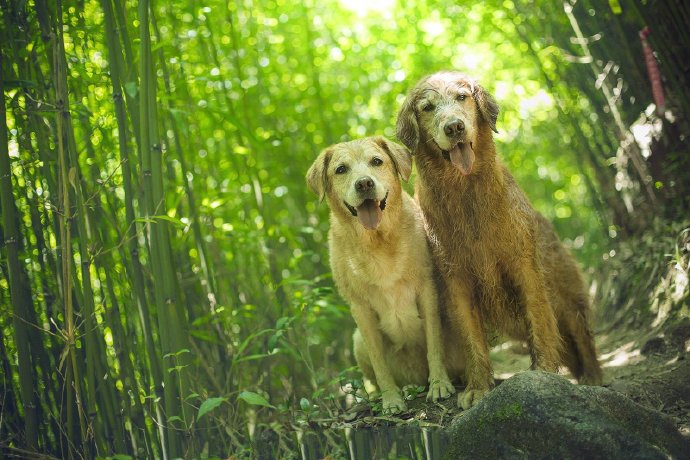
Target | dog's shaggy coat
(504,269)
(382,266)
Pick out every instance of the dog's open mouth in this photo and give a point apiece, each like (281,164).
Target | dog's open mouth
(462,156)
(369,212)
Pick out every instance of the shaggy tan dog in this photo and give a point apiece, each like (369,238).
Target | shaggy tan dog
(382,266)
(505,270)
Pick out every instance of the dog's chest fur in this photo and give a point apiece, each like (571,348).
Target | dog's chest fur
(398,313)
(475,239)
(385,276)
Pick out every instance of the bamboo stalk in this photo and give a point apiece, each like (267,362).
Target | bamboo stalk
(127,70)
(94,429)
(265,245)
(12,425)
(72,437)
(136,272)
(40,358)
(208,281)
(601,214)
(134,268)
(74,391)
(20,306)
(169,318)
(315,75)
(623,133)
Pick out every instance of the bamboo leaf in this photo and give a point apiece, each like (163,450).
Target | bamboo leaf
(282,322)
(254,399)
(132,89)
(205,336)
(177,353)
(252,357)
(172,220)
(209,405)
(305,404)
(11,84)
(72,176)
(153,219)
(251,337)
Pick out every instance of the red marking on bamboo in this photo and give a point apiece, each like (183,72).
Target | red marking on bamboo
(653,72)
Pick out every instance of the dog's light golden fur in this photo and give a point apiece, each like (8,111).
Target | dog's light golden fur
(504,269)
(385,272)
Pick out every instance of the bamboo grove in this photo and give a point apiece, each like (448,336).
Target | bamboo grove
(164,285)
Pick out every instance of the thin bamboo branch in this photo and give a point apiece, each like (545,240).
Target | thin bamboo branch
(623,133)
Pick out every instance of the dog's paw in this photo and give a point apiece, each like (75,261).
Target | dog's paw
(591,379)
(470,397)
(393,403)
(439,389)
(547,366)
(547,362)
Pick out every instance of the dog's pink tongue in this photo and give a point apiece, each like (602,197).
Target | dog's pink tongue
(369,214)
(462,157)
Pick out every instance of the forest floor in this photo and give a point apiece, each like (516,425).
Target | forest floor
(652,369)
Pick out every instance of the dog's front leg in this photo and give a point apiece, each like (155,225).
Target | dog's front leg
(439,383)
(367,323)
(544,339)
(467,322)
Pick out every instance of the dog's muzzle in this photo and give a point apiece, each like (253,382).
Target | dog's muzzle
(353,210)
(369,211)
(461,156)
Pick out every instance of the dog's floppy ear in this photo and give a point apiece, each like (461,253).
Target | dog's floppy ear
(317,176)
(401,157)
(406,128)
(488,107)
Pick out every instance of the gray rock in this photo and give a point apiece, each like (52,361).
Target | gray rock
(535,414)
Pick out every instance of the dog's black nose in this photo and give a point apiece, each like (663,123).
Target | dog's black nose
(454,127)
(364,184)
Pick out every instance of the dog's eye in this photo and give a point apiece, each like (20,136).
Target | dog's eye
(376,161)
(342,169)
(428,107)
(461,97)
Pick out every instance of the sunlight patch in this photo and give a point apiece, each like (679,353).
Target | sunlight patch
(670,290)
(432,27)
(467,59)
(539,103)
(364,7)
(620,356)
(505,375)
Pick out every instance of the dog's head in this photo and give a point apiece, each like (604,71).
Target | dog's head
(360,178)
(444,113)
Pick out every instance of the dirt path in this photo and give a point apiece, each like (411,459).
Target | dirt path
(652,369)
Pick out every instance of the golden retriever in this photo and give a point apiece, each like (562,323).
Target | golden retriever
(382,266)
(503,266)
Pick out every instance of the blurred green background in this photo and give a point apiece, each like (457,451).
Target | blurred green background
(165,282)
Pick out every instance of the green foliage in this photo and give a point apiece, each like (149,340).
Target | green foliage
(169,282)
(646,278)
(252,398)
(210,404)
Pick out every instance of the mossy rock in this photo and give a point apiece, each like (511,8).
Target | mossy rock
(540,415)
